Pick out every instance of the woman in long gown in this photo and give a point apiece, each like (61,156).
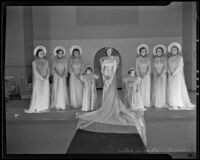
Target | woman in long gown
(159,69)
(41,92)
(76,68)
(132,97)
(112,111)
(177,93)
(60,98)
(143,69)
(89,91)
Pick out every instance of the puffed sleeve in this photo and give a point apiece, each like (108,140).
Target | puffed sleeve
(168,67)
(102,65)
(48,70)
(165,66)
(153,67)
(149,68)
(137,67)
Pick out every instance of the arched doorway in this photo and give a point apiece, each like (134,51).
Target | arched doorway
(97,67)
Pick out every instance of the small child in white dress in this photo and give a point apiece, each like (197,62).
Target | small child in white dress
(89,90)
(132,97)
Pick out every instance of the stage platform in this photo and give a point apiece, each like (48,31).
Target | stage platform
(168,131)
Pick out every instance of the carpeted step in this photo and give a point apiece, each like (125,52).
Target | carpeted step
(97,142)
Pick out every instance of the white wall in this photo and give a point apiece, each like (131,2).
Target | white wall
(65,22)
(14,50)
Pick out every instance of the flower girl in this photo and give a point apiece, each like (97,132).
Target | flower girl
(132,97)
(89,90)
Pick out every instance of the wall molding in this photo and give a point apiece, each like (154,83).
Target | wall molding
(18,66)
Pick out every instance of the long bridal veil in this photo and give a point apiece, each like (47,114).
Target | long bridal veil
(112,111)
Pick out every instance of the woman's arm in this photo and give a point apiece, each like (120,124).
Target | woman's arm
(137,67)
(82,67)
(82,78)
(168,68)
(35,71)
(48,71)
(164,69)
(118,62)
(149,68)
(102,65)
(53,69)
(154,69)
(70,66)
(66,70)
(179,66)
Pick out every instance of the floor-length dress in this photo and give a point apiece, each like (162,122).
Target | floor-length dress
(60,97)
(143,67)
(112,110)
(159,93)
(89,92)
(41,90)
(76,85)
(132,97)
(177,94)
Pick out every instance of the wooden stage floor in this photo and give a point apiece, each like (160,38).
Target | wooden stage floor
(168,131)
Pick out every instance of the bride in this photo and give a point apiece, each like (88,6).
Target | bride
(112,111)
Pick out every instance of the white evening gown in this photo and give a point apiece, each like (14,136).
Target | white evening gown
(178,97)
(60,97)
(40,99)
(76,85)
(159,92)
(142,64)
(112,110)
